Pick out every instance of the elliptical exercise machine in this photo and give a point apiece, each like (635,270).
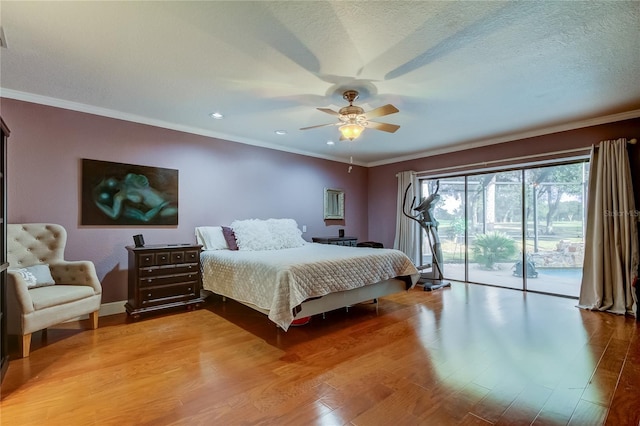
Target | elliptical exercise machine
(433,279)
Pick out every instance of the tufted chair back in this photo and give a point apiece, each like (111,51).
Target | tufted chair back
(35,243)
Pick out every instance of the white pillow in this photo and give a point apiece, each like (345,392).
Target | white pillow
(36,275)
(285,233)
(211,238)
(253,234)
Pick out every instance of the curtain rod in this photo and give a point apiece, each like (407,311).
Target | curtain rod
(524,157)
(630,141)
(585,151)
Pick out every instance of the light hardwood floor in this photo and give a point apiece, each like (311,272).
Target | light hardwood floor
(465,355)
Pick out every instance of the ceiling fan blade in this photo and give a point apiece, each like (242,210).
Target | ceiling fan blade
(385,127)
(381,111)
(319,125)
(329,111)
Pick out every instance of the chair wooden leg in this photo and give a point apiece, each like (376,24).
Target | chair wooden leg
(93,320)
(26,345)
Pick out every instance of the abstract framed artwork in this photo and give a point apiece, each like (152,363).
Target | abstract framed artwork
(128,194)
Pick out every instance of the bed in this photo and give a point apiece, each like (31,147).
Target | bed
(297,279)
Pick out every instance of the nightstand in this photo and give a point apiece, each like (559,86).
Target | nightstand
(338,241)
(163,276)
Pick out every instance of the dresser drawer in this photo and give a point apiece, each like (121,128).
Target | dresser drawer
(164,280)
(191,255)
(146,259)
(177,256)
(156,271)
(163,258)
(167,294)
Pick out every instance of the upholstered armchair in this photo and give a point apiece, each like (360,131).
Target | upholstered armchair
(44,289)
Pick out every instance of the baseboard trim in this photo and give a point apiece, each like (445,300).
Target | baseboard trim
(112,308)
(106,309)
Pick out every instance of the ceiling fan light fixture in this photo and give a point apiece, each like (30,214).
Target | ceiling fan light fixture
(351,131)
(352,119)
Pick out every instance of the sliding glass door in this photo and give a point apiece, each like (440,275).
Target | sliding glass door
(495,228)
(555,209)
(522,228)
(450,214)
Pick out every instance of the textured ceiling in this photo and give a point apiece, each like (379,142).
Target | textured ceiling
(461,73)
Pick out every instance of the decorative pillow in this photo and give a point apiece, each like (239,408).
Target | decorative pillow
(211,238)
(36,275)
(230,238)
(253,234)
(285,233)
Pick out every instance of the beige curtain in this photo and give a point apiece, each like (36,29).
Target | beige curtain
(406,239)
(611,246)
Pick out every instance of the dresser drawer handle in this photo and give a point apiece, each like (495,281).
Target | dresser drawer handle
(149,295)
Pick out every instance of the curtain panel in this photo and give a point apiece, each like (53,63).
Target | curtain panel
(406,239)
(611,245)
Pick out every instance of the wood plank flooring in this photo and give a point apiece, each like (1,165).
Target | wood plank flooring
(469,355)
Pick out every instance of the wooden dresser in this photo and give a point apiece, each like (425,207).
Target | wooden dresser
(162,277)
(338,241)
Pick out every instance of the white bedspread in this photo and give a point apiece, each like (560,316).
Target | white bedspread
(280,280)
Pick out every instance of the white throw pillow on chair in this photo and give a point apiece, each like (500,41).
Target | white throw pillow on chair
(36,275)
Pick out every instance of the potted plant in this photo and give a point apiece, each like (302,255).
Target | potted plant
(493,247)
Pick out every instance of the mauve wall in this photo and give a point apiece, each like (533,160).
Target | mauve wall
(383,182)
(219,181)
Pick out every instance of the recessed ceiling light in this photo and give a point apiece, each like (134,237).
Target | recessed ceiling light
(280,132)
(331,143)
(216,115)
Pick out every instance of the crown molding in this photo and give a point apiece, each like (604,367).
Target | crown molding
(118,115)
(105,112)
(514,137)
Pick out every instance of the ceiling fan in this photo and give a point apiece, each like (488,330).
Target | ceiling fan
(353,119)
